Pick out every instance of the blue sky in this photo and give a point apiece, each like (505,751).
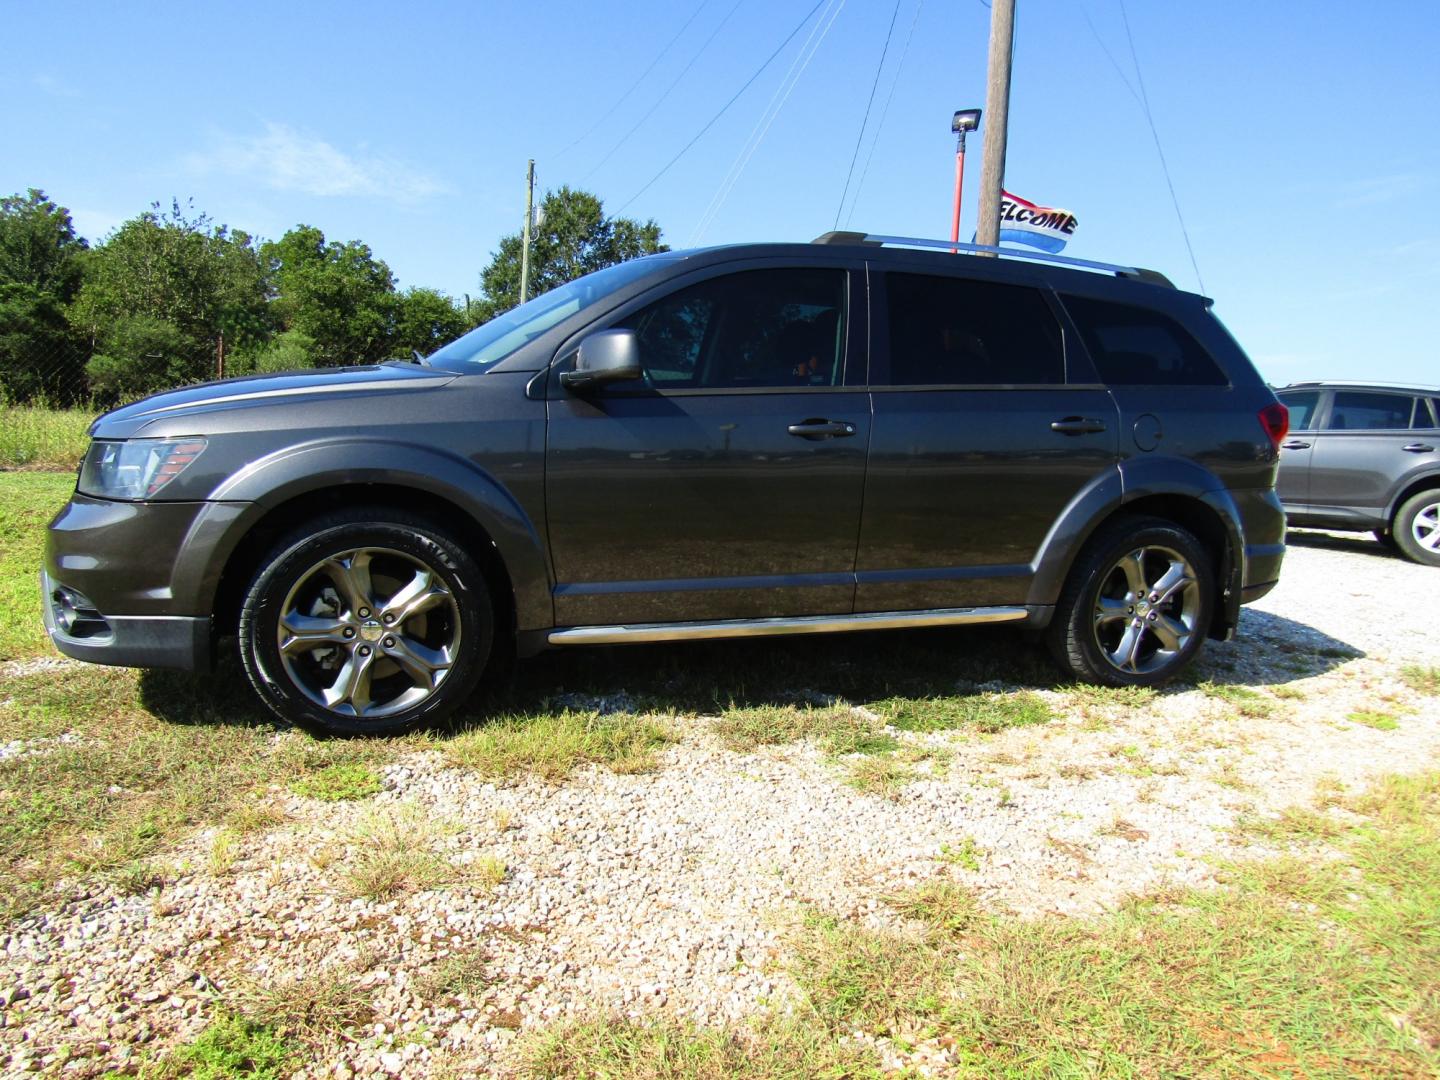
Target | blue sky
(1299,136)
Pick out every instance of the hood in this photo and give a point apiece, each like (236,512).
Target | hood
(196,410)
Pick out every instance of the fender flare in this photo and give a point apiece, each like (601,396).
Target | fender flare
(244,498)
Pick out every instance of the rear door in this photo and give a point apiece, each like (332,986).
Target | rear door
(1370,439)
(968,468)
(728,485)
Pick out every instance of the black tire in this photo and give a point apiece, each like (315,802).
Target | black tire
(346,673)
(1387,539)
(1417,527)
(1100,616)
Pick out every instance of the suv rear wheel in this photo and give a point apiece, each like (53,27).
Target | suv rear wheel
(1136,607)
(1417,527)
(366,621)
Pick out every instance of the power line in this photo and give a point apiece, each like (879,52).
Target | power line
(633,86)
(860,136)
(666,94)
(884,112)
(767,117)
(1164,167)
(726,107)
(1109,56)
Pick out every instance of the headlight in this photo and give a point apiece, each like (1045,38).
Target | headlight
(135,468)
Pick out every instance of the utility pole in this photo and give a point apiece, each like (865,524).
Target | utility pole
(997,104)
(525,233)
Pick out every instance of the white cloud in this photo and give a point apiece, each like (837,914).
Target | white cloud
(289,160)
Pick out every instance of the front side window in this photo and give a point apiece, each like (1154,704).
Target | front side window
(1361,410)
(757,328)
(952,331)
(1301,404)
(1135,346)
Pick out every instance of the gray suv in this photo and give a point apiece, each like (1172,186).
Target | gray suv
(1365,456)
(766,439)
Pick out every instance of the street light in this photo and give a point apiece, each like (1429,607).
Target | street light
(964,121)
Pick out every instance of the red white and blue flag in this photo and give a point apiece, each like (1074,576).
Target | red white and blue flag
(1044,227)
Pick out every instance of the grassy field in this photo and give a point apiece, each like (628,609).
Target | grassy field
(39,438)
(1323,963)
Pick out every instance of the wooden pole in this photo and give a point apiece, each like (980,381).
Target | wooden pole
(525,233)
(997,108)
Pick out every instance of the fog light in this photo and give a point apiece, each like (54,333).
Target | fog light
(75,614)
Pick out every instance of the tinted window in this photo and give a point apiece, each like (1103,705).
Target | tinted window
(1360,410)
(1435,412)
(1301,404)
(951,331)
(758,328)
(1135,346)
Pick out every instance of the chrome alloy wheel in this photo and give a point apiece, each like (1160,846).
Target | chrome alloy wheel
(1146,610)
(369,632)
(1425,527)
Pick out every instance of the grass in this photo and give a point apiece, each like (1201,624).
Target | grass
(1423,680)
(338,783)
(27,502)
(459,975)
(309,1007)
(884,775)
(392,852)
(39,438)
(988,713)
(230,1047)
(550,747)
(742,729)
(966,854)
(1380,721)
(1247,702)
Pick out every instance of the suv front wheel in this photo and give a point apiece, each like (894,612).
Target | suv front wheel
(366,621)
(1136,607)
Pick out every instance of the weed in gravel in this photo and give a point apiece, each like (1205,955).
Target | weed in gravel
(938,903)
(1380,721)
(1423,680)
(742,729)
(552,745)
(224,852)
(338,783)
(965,854)
(860,741)
(460,975)
(1288,693)
(231,1046)
(879,775)
(613,1047)
(1129,697)
(1247,702)
(258,814)
(393,852)
(309,1007)
(988,713)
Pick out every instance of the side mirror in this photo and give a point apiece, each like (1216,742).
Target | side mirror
(604,357)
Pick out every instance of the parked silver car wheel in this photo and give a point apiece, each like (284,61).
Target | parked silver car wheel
(1417,527)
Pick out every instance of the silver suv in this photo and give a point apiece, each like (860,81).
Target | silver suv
(1365,456)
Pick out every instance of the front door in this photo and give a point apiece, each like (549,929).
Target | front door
(728,484)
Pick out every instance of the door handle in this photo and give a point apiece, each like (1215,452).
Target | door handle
(1077,425)
(1418,448)
(821,429)
(1295,444)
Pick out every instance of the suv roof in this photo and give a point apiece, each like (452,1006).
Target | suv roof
(1378,384)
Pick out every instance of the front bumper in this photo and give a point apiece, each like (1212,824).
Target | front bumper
(148,641)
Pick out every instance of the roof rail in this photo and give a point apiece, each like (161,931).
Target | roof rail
(1138,273)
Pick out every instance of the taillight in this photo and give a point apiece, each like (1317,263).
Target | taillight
(1275,419)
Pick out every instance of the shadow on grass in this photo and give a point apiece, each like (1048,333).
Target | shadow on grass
(711,676)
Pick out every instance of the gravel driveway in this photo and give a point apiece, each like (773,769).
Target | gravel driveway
(672,890)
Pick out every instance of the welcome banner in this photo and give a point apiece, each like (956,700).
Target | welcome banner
(1043,227)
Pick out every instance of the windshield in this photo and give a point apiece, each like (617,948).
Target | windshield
(505,333)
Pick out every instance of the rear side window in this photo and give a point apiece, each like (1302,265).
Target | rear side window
(1361,410)
(1435,412)
(1134,346)
(1301,404)
(950,331)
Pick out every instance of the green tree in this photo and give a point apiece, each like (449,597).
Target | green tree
(424,320)
(40,271)
(161,292)
(574,238)
(339,296)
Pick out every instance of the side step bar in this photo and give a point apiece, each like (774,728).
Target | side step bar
(808,624)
